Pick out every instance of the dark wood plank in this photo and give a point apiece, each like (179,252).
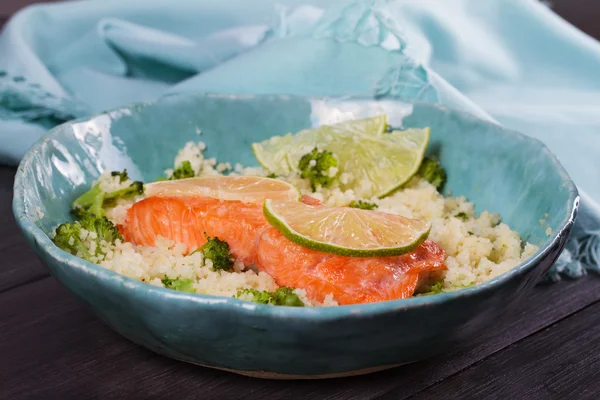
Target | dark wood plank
(19,264)
(9,7)
(581,13)
(561,362)
(545,305)
(52,347)
(48,338)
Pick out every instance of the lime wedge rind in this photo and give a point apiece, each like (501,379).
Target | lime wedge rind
(270,157)
(411,172)
(273,154)
(279,222)
(378,163)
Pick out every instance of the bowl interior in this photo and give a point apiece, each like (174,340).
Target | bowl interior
(497,169)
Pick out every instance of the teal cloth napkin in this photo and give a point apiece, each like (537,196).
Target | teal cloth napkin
(512,61)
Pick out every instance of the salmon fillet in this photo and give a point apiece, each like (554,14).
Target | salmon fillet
(351,280)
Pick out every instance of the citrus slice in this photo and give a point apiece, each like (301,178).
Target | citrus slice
(346,231)
(376,166)
(271,153)
(249,189)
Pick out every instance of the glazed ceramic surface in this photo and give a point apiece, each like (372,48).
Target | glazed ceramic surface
(498,169)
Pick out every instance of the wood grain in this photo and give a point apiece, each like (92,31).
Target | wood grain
(20,265)
(52,347)
(9,7)
(48,338)
(561,362)
(581,13)
(45,335)
(544,306)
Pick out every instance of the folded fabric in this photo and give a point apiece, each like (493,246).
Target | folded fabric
(512,61)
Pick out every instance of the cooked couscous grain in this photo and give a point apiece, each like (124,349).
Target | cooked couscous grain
(478,247)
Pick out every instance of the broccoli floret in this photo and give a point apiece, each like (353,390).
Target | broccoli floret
(272,175)
(262,297)
(90,203)
(68,236)
(95,200)
(104,229)
(131,191)
(184,170)
(217,251)
(179,284)
(462,216)
(436,288)
(122,175)
(363,205)
(284,296)
(316,166)
(432,171)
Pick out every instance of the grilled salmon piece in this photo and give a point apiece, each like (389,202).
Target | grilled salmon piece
(351,280)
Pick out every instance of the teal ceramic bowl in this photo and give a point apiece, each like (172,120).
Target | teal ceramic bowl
(500,170)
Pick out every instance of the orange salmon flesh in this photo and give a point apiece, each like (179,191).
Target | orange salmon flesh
(351,280)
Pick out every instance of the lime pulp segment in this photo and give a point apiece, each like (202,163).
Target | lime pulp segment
(346,231)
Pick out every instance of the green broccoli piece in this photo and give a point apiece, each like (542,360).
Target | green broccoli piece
(90,203)
(104,229)
(284,296)
(363,205)
(436,288)
(272,175)
(184,170)
(131,191)
(432,171)
(462,216)
(122,175)
(68,236)
(179,284)
(95,200)
(217,251)
(262,297)
(315,167)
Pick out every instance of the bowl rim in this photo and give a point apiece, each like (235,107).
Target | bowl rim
(30,228)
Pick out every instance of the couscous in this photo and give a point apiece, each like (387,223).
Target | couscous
(476,246)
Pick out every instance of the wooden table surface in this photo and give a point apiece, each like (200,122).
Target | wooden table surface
(52,347)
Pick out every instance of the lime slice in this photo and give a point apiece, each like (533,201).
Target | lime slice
(271,153)
(377,165)
(249,189)
(346,231)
